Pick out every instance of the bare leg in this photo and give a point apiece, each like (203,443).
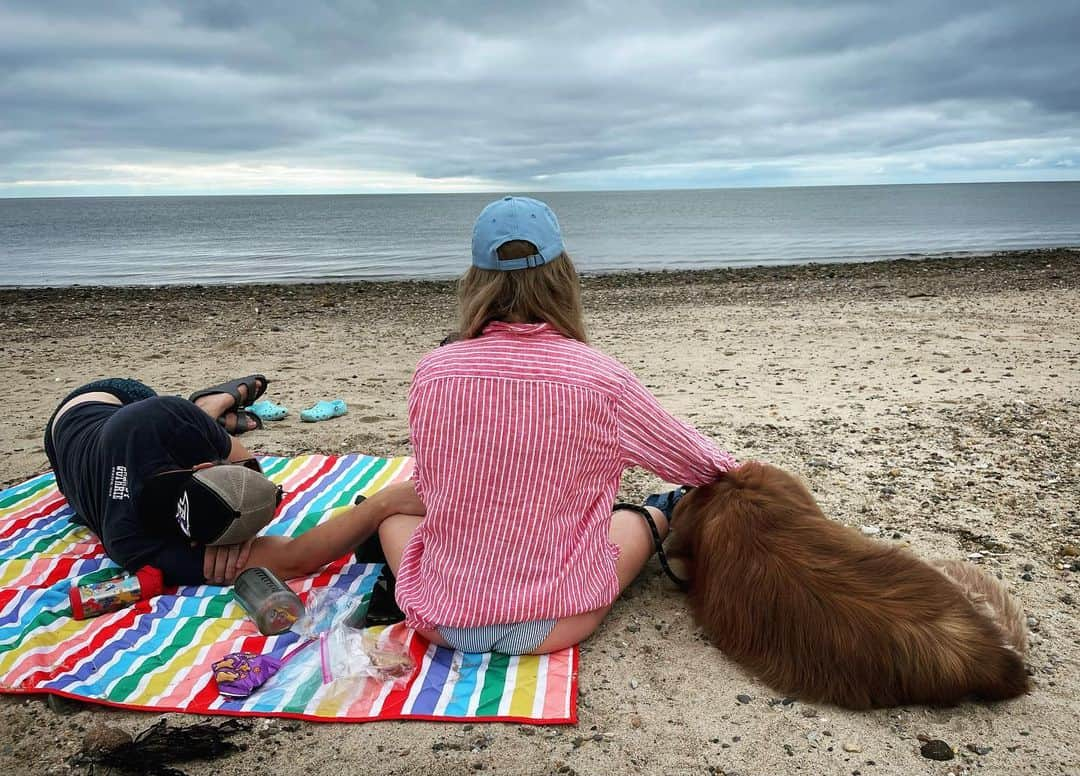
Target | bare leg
(102,397)
(394,533)
(628,530)
(631,534)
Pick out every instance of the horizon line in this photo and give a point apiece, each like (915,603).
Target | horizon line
(406,193)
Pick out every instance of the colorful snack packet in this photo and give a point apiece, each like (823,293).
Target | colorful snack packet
(239,674)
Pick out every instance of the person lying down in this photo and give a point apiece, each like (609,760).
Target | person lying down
(163,482)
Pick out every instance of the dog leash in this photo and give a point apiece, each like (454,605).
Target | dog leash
(684,584)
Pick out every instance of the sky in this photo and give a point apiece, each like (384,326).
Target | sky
(139,97)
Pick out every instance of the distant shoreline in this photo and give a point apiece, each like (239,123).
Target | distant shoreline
(29,314)
(815,268)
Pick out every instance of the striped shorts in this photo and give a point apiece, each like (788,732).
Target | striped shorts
(516,638)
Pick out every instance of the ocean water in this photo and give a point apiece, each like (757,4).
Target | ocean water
(247,239)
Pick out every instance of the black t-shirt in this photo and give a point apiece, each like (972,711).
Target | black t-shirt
(105,454)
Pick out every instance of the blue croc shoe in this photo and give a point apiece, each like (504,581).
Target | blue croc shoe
(268,410)
(324,410)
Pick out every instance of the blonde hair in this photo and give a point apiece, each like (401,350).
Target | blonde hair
(549,293)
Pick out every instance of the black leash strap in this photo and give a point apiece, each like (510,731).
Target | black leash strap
(684,584)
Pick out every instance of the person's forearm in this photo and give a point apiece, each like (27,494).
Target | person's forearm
(338,536)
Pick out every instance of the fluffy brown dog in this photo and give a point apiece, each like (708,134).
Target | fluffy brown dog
(819,611)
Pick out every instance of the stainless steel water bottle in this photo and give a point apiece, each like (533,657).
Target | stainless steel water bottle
(268,601)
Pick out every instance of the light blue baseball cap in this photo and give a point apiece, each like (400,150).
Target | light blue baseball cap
(515,218)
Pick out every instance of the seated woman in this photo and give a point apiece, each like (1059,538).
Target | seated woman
(521,433)
(161,483)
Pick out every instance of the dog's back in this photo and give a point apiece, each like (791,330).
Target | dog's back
(817,610)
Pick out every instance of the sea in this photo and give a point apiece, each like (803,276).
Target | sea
(292,239)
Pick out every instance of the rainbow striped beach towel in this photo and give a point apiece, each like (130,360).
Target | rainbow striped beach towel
(157,654)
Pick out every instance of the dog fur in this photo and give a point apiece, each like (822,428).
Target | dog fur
(818,611)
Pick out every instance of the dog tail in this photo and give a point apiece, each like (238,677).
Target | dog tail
(990,599)
(1003,613)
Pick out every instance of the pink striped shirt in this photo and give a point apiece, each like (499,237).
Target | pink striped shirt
(520,438)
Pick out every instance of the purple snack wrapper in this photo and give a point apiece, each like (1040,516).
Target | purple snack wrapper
(239,674)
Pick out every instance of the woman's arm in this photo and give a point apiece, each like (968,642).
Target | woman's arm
(326,542)
(651,437)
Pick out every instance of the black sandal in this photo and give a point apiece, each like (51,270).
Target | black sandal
(383,608)
(242,416)
(255,384)
(666,502)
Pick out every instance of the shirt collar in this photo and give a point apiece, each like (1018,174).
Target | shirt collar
(521,329)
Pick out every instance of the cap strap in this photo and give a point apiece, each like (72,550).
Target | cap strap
(527,262)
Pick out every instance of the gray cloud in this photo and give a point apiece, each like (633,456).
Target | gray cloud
(116,96)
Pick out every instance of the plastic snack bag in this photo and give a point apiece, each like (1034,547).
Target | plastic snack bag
(388,654)
(350,654)
(327,608)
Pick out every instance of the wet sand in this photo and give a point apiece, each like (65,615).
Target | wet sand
(937,400)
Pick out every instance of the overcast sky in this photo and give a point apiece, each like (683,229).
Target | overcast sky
(209,96)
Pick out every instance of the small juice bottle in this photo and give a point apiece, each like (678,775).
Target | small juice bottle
(97,598)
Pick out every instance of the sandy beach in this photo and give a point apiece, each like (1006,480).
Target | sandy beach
(937,400)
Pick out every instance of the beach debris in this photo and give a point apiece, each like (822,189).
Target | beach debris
(154,750)
(936,749)
(870,530)
(743,698)
(101,739)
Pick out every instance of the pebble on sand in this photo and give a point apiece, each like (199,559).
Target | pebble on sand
(936,749)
